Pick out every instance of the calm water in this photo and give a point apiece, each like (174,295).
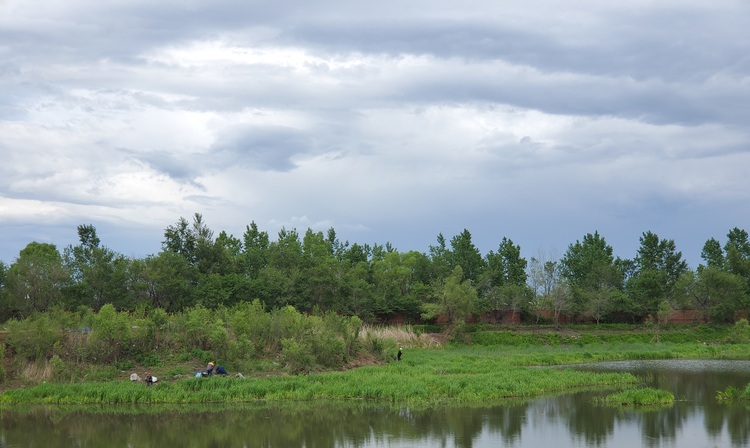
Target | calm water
(565,421)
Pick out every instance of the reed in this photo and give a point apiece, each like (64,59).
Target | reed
(403,335)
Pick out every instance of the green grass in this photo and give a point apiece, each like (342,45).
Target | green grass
(477,374)
(648,396)
(464,375)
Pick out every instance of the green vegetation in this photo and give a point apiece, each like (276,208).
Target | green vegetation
(638,397)
(425,376)
(315,272)
(84,346)
(86,357)
(732,393)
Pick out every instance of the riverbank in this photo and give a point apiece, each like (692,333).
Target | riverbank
(425,376)
(479,365)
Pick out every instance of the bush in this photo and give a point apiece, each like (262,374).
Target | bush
(739,333)
(110,335)
(296,356)
(125,364)
(329,350)
(2,362)
(59,369)
(34,338)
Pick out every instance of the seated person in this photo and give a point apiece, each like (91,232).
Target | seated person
(221,371)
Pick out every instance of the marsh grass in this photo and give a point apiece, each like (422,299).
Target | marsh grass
(423,377)
(648,397)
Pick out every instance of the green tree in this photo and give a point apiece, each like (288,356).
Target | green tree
(506,266)
(357,291)
(100,275)
(195,242)
(463,253)
(716,292)
(255,253)
(737,253)
(589,267)
(713,254)
(396,287)
(503,285)
(36,278)
(440,258)
(456,299)
(657,268)
(169,281)
(320,271)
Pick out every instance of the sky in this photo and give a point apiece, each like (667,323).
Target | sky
(390,121)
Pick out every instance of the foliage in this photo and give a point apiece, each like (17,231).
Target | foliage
(34,338)
(728,394)
(740,333)
(2,364)
(312,270)
(456,299)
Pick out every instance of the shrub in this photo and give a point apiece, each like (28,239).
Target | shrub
(2,362)
(329,350)
(739,333)
(110,335)
(296,356)
(198,321)
(34,338)
(59,369)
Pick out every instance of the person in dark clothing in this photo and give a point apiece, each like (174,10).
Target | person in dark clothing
(398,356)
(221,371)
(149,379)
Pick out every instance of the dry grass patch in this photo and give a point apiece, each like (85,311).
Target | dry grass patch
(404,336)
(36,372)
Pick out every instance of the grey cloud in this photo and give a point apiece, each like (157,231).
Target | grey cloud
(182,168)
(262,148)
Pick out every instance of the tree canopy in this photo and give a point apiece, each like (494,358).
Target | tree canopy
(314,270)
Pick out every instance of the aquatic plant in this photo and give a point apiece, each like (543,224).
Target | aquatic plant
(638,397)
(728,394)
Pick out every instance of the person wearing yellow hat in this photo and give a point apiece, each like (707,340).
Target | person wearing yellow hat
(210,368)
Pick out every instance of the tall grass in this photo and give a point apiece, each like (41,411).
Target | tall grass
(404,336)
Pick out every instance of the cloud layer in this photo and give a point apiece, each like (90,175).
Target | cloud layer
(390,122)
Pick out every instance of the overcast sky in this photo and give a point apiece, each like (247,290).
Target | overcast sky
(390,121)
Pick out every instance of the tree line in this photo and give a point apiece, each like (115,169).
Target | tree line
(316,271)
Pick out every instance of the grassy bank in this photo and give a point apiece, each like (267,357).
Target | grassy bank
(425,376)
(497,365)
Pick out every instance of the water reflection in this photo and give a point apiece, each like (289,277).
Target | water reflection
(570,420)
